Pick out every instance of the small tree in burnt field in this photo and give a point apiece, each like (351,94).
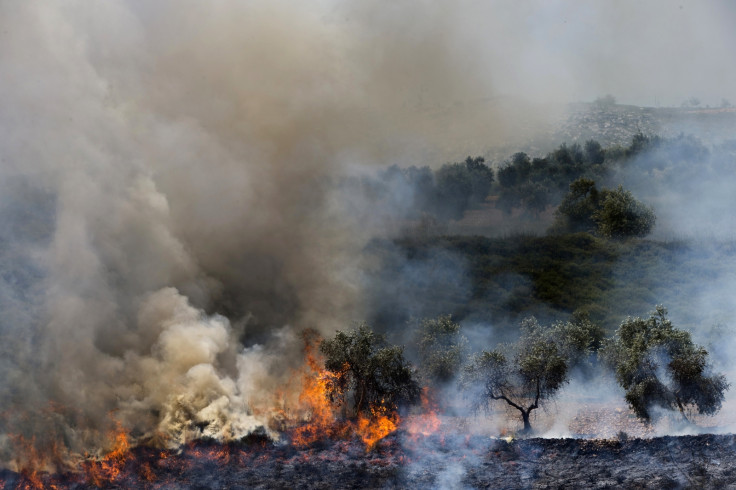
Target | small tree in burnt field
(526,374)
(659,366)
(368,373)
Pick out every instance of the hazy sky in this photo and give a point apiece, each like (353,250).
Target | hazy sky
(639,51)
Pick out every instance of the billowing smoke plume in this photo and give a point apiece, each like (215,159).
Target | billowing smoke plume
(168,198)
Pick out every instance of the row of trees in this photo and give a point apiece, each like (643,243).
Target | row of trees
(444,194)
(522,182)
(536,183)
(650,167)
(656,364)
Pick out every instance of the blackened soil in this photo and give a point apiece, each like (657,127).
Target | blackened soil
(704,461)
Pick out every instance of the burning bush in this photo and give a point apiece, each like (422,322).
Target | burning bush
(369,375)
(362,376)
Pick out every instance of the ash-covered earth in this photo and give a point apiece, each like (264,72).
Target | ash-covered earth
(405,461)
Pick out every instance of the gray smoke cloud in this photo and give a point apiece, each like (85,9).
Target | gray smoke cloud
(168,170)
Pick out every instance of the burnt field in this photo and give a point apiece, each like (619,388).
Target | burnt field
(402,461)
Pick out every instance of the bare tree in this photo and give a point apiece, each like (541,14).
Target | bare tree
(526,374)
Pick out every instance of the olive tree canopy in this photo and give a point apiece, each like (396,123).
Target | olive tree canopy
(368,373)
(441,348)
(659,366)
(611,213)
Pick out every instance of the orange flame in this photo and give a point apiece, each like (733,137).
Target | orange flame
(313,399)
(323,421)
(109,468)
(36,456)
(147,473)
(31,462)
(374,428)
(312,417)
(426,423)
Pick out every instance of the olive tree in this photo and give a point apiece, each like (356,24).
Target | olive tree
(462,185)
(367,372)
(441,348)
(594,152)
(620,215)
(526,374)
(658,365)
(575,212)
(611,213)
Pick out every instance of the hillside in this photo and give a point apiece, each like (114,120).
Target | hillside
(615,125)
(499,281)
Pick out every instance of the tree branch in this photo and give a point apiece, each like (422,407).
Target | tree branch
(507,400)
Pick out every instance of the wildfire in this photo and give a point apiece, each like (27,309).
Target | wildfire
(374,428)
(109,468)
(313,399)
(37,462)
(31,463)
(36,457)
(314,402)
(307,419)
(427,422)
(323,420)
